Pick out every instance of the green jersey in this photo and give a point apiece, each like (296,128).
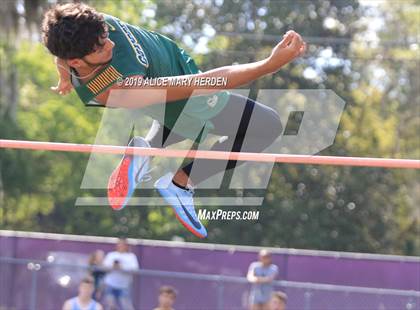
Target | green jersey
(141,52)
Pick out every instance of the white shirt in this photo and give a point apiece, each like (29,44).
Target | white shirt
(116,278)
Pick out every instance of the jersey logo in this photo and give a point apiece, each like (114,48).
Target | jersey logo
(211,102)
(138,50)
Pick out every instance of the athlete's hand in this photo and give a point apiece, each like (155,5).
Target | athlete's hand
(64,87)
(291,47)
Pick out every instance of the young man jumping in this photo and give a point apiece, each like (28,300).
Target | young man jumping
(95,52)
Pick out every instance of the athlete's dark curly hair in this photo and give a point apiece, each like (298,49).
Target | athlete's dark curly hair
(72,30)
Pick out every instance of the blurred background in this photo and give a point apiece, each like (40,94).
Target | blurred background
(367,52)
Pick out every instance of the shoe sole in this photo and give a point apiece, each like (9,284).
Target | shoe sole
(185,224)
(120,187)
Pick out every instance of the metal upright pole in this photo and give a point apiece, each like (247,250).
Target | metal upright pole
(34,284)
(220,293)
(307,304)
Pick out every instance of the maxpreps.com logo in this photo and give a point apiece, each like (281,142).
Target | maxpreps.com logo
(140,54)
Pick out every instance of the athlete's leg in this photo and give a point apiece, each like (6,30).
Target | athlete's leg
(134,169)
(259,133)
(159,136)
(262,130)
(180,199)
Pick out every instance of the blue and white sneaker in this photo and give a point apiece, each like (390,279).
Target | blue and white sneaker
(129,173)
(181,201)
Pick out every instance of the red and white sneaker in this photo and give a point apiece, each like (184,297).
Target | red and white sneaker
(132,170)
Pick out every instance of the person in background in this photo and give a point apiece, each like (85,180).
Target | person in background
(84,300)
(97,271)
(261,274)
(120,265)
(166,299)
(278,301)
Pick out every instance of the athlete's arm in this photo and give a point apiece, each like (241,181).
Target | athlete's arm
(288,49)
(64,85)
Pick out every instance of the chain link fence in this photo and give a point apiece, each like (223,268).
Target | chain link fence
(29,285)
